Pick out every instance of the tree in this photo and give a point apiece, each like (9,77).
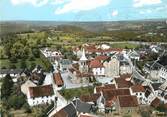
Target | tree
(16,101)
(2,52)
(58,38)
(36,52)
(23,64)
(27,108)
(32,66)
(12,66)
(13,59)
(6,88)
(17,50)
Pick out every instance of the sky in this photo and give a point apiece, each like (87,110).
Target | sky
(82,10)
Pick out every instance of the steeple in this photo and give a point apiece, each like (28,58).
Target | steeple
(83,67)
(83,57)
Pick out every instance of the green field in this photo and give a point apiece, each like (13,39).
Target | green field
(6,63)
(124,45)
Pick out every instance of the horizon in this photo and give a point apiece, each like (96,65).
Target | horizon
(87,21)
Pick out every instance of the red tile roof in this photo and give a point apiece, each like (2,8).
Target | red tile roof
(165,97)
(108,93)
(60,113)
(58,79)
(138,88)
(122,82)
(46,90)
(101,57)
(95,64)
(128,101)
(85,115)
(107,86)
(155,103)
(111,95)
(90,98)
(110,101)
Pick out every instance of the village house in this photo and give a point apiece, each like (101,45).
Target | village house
(112,67)
(26,85)
(139,91)
(134,55)
(127,104)
(40,95)
(91,99)
(97,67)
(75,108)
(79,72)
(125,68)
(52,54)
(124,81)
(64,64)
(37,76)
(97,49)
(163,73)
(105,96)
(14,73)
(149,94)
(58,80)
(156,102)
(67,111)
(156,72)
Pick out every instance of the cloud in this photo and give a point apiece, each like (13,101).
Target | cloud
(154,10)
(141,3)
(161,8)
(81,5)
(145,11)
(57,2)
(36,3)
(114,13)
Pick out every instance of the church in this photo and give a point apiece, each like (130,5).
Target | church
(79,72)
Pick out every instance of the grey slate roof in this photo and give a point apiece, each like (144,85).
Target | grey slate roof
(65,62)
(153,66)
(156,85)
(70,110)
(82,106)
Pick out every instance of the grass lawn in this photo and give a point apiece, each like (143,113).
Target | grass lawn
(124,45)
(76,92)
(6,63)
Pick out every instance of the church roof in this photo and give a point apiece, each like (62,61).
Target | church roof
(83,57)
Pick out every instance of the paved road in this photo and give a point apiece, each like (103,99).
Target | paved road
(48,79)
(136,74)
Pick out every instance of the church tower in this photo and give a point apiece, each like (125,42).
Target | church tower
(83,67)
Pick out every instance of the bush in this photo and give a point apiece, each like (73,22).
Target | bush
(32,66)
(3,67)
(16,101)
(6,88)
(13,59)
(12,66)
(23,64)
(36,52)
(32,58)
(27,108)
